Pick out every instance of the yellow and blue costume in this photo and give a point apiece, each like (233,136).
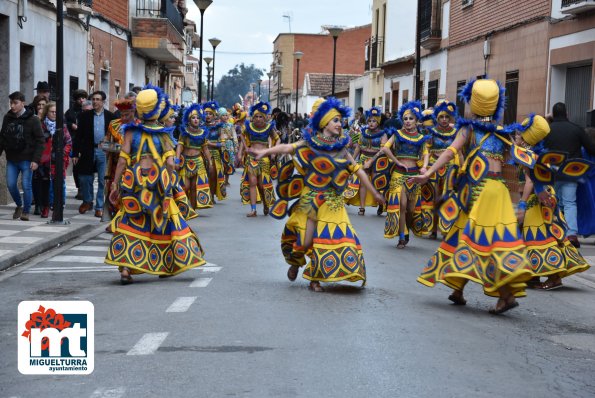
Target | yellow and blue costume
(484,243)
(195,165)
(150,234)
(220,162)
(322,175)
(406,145)
(370,143)
(544,229)
(261,168)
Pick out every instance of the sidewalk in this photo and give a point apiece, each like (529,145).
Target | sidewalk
(22,240)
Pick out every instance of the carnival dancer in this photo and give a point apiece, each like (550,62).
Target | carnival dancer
(443,134)
(484,244)
(257,183)
(229,136)
(318,224)
(151,235)
(215,143)
(111,145)
(544,229)
(239,118)
(193,159)
(405,148)
(168,118)
(371,140)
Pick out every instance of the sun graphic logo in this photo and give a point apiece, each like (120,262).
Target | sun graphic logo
(56,337)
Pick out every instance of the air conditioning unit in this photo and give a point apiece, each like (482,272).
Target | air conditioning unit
(106,65)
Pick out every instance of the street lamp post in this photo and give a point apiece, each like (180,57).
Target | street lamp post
(269,74)
(259,83)
(58,214)
(202,6)
(209,77)
(278,68)
(334,31)
(297,55)
(214,42)
(208,62)
(252,85)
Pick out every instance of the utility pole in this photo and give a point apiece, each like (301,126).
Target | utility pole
(58,139)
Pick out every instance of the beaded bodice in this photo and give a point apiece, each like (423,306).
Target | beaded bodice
(409,145)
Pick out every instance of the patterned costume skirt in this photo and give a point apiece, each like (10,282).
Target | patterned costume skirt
(181,199)
(336,254)
(484,246)
(434,189)
(548,249)
(221,191)
(231,156)
(194,166)
(262,170)
(420,220)
(351,193)
(151,236)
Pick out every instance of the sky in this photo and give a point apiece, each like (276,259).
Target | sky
(251,26)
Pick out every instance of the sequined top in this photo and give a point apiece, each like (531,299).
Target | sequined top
(492,147)
(252,134)
(441,139)
(213,132)
(371,141)
(409,146)
(194,139)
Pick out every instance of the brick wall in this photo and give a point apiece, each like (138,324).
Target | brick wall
(109,48)
(487,15)
(156,27)
(115,10)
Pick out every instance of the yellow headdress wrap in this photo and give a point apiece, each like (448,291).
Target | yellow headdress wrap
(149,103)
(536,128)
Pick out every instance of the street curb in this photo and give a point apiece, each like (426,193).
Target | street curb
(45,245)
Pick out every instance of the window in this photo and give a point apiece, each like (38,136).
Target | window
(373,101)
(405,96)
(512,92)
(466,3)
(53,82)
(460,101)
(432,92)
(73,86)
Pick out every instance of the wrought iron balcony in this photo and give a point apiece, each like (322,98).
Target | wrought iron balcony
(577,6)
(374,48)
(430,39)
(158,31)
(79,6)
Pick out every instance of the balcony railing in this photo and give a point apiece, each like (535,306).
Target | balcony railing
(430,38)
(576,6)
(374,52)
(160,9)
(79,6)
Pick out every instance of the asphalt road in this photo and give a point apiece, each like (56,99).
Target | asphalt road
(239,328)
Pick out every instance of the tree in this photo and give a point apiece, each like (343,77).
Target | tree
(237,82)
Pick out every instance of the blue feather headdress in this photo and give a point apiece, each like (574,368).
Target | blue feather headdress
(467,91)
(261,107)
(160,96)
(412,106)
(374,112)
(444,106)
(186,115)
(324,108)
(166,108)
(211,106)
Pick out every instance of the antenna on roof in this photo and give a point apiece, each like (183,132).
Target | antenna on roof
(288,15)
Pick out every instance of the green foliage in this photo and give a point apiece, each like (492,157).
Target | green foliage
(237,82)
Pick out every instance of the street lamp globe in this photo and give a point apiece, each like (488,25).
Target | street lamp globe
(208,60)
(203,4)
(334,31)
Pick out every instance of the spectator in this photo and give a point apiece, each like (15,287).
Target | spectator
(568,137)
(43,89)
(136,89)
(22,139)
(92,128)
(131,95)
(38,105)
(393,122)
(70,118)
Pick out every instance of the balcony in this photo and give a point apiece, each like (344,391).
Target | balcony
(430,39)
(576,6)
(158,31)
(374,50)
(76,7)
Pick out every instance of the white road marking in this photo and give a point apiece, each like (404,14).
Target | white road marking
(67,271)
(201,282)
(97,241)
(19,239)
(89,248)
(3,252)
(210,269)
(12,222)
(108,393)
(583,281)
(181,304)
(8,232)
(79,259)
(148,344)
(590,259)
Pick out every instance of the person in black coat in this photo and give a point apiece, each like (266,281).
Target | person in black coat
(87,154)
(70,118)
(568,137)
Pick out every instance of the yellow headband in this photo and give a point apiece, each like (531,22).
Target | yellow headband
(330,115)
(484,97)
(537,131)
(167,115)
(408,112)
